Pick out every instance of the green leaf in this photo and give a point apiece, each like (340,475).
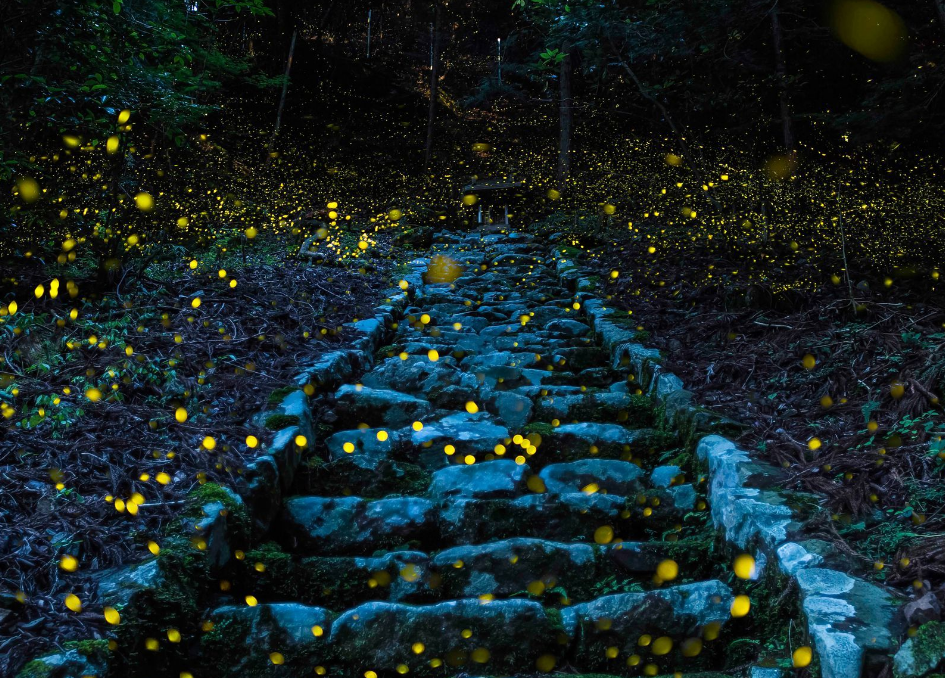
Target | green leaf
(116,6)
(868,409)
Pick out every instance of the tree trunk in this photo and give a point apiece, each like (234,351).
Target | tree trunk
(787,125)
(940,6)
(694,161)
(566,119)
(434,87)
(285,89)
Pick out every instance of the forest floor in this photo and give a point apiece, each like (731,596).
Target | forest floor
(113,413)
(838,381)
(119,402)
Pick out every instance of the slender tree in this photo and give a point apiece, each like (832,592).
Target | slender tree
(565,116)
(434,84)
(787,126)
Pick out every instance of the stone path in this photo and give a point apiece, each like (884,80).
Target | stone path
(514,487)
(497,503)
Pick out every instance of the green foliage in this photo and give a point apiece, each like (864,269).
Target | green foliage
(72,69)
(277,422)
(154,57)
(881,541)
(88,648)
(279,394)
(928,645)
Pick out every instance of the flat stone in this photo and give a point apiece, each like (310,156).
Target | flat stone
(380,407)
(574,438)
(119,586)
(417,375)
(847,618)
(334,368)
(679,611)
(663,476)
(502,329)
(613,335)
(469,321)
(503,568)
(630,354)
(542,315)
(610,475)
(286,628)
(746,513)
(372,328)
(380,635)
(68,664)
(343,525)
(501,478)
(369,452)
(528,342)
(475,434)
(765,672)
(683,497)
(572,517)
(665,384)
(794,557)
(568,327)
(498,359)
(512,409)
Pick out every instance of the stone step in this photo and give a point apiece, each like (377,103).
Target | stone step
(551,572)
(355,404)
(604,406)
(358,526)
(451,437)
(511,538)
(574,441)
(498,636)
(498,479)
(608,476)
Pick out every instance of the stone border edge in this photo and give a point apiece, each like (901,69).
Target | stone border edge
(853,622)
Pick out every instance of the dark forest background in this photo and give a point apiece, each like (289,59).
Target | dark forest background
(597,101)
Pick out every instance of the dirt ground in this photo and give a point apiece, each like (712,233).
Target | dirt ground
(120,399)
(838,381)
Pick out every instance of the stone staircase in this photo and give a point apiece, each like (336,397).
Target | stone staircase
(513,487)
(496,504)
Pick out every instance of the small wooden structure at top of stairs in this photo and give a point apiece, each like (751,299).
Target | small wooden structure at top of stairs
(495,196)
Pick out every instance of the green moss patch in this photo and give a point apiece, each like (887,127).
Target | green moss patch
(928,644)
(277,422)
(88,648)
(279,394)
